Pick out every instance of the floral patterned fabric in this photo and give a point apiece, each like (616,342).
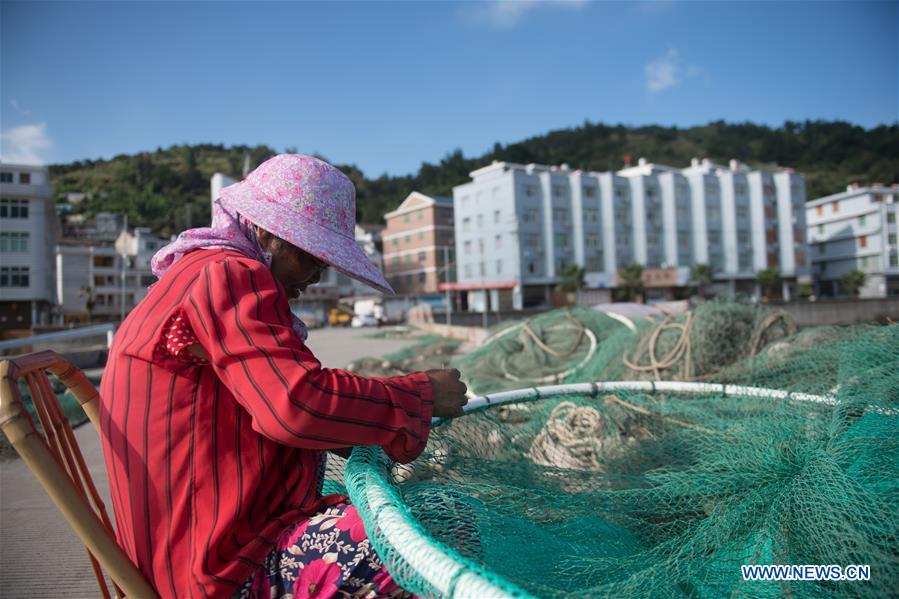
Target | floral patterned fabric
(327,555)
(310,204)
(230,230)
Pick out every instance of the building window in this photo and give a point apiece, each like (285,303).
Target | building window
(864,262)
(820,210)
(468,271)
(589,191)
(532,268)
(530,190)
(406,218)
(891,216)
(591,215)
(822,248)
(480,221)
(25,178)
(421,277)
(5,177)
(558,190)
(14,276)
(821,229)
(591,241)
(466,247)
(396,241)
(560,215)
(714,237)
(861,220)
(408,238)
(13,208)
(482,269)
(396,260)
(408,279)
(466,223)
(530,215)
(835,207)
(421,257)
(891,239)
(743,237)
(13,242)
(421,214)
(496,217)
(561,239)
(498,241)
(894,260)
(499,267)
(863,241)
(594,264)
(421,235)
(104,261)
(742,213)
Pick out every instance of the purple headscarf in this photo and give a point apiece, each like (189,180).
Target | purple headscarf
(228,231)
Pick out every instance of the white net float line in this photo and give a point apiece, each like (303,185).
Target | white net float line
(447,572)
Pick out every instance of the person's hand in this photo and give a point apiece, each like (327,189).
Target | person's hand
(449,392)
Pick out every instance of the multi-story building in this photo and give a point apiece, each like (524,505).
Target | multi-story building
(28,232)
(418,245)
(855,230)
(89,275)
(518,226)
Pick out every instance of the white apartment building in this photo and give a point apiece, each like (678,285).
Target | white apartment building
(89,284)
(855,230)
(28,232)
(517,226)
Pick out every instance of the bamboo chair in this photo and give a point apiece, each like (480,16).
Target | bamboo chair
(52,454)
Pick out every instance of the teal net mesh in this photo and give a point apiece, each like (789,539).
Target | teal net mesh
(657,493)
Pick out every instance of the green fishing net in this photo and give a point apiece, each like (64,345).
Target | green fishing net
(653,491)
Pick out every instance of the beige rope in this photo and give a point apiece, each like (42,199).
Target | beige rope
(571,438)
(682,350)
(767,323)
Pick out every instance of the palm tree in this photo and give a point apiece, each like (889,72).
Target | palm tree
(630,278)
(853,281)
(768,279)
(571,280)
(701,276)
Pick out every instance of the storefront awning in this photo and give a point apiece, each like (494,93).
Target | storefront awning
(478,285)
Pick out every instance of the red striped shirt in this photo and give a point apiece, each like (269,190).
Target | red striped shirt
(210,460)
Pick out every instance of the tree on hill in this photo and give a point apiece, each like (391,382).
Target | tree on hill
(830,155)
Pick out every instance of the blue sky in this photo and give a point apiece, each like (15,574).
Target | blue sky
(388,85)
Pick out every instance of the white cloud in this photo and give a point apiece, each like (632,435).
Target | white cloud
(506,14)
(18,108)
(24,144)
(667,71)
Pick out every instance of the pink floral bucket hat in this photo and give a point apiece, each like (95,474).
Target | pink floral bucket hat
(310,204)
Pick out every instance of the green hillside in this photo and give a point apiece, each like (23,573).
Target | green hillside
(168,190)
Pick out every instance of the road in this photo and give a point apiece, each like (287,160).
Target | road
(41,557)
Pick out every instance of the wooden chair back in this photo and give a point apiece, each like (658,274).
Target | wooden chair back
(52,454)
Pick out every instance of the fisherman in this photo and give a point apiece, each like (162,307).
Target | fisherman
(215,415)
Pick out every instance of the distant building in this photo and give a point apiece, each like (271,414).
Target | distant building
(855,230)
(518,226)
(419,244)
(28,232)
(89,284)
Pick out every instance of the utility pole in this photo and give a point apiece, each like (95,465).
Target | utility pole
(449,305)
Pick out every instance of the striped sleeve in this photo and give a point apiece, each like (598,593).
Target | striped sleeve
(240,316)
